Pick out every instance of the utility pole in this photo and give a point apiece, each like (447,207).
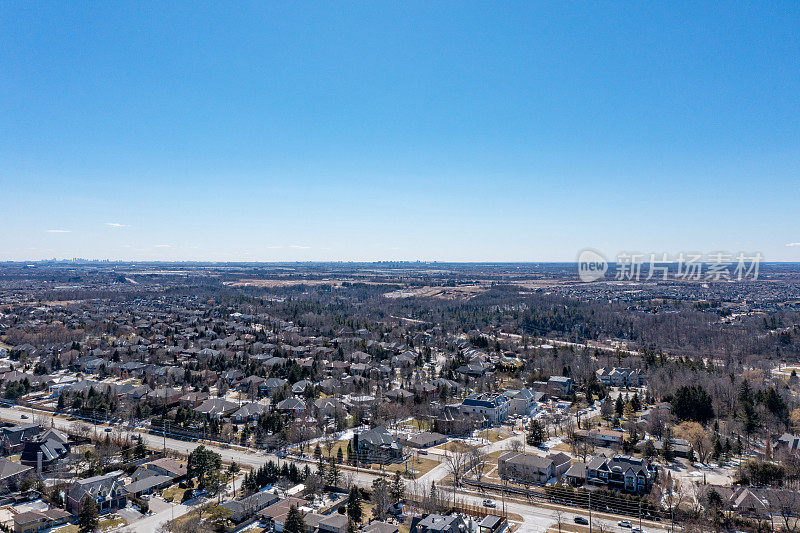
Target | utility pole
(503,496)
(640,515)
(590,511)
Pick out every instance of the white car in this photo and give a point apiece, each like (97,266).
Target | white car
(636,529)
(489,503)
(624,523)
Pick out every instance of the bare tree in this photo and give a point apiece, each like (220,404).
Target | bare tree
(515,445)
(456,460)
(477,461)
(559,518)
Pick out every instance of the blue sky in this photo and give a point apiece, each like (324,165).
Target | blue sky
(463,131)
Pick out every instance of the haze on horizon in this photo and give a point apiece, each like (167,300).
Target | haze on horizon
(410,131)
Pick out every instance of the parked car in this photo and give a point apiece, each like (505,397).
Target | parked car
(624,523)
(581,520)
(423,452)
(489,503)
(24,417)
(636,529)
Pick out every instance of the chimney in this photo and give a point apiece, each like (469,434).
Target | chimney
(39,462)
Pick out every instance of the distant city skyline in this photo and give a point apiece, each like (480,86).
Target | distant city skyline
(520,132)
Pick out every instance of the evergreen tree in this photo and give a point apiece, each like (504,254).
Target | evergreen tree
(536,434)
(398,487)
(140,451)
(354,510)
(294,521)
(667,450)
(88,519)
(636,404)
(619,406)
(332,477)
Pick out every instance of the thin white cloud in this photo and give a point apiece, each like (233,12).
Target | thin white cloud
(163,246)
(298,247)
(793,244)
(59,231)
(117,225)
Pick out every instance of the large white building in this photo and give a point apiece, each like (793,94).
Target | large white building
(492,406)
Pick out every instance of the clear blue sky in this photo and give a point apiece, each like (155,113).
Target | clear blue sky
(398,130)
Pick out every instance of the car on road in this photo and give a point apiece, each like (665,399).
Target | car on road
(636,529)
(108,430)
(581,520)
(423,452)
(624,523)
(24,417)
(489,503)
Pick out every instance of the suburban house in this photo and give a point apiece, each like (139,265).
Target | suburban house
(491,406)
(147,485)
(106,490)
(274,515)
(217,408)
(621,472)
(559,386)
(621,377)
(161,467)
(333,523)
(292,406)
(600,437)
(522,401)
(14,437)
(376,445)
(426,439)
(381,527)
(244,508)
(249,412)
(786,443)
(45,451)
(35,521)
(435,523)
(192,400)
(576,474)
(528,468)
(11,473)
(680,447)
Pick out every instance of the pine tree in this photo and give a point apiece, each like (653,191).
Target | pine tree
(536,434)
(619,406)
(294,521)
(88,519)
(140,451)
(354,511)
(636,404)
(398,488)
(333,474)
